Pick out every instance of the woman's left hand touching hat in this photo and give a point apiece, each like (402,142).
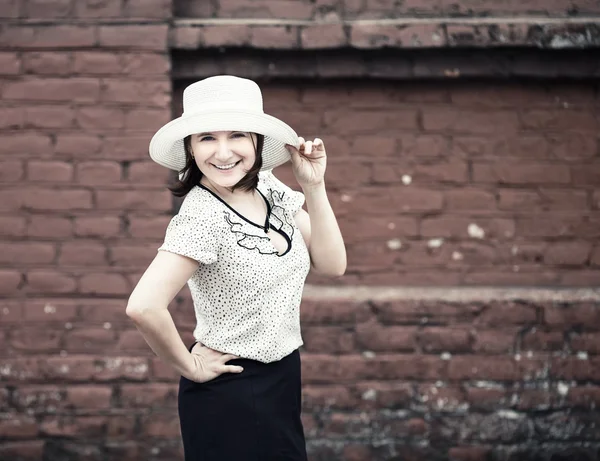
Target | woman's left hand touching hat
(309,162)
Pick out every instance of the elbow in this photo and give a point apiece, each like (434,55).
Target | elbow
(136,309)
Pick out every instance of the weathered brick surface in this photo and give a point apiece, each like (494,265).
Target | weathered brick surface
(434,183)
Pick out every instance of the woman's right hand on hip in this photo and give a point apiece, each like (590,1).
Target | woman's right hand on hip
(210,363)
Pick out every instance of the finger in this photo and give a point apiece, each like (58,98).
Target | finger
(230,369)
(227,357)
(308,147)
(318,144)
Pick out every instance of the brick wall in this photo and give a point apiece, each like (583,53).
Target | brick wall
(435,183)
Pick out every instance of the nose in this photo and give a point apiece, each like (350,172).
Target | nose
(223,153)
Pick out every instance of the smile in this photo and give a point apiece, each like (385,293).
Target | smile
(226,167)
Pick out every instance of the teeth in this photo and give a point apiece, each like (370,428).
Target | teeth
(226,167)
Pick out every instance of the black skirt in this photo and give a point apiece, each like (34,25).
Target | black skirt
(249,416)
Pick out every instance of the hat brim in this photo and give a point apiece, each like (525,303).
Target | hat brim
(166,146)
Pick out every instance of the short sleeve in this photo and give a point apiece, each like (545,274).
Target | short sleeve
(292,200)
(191,236)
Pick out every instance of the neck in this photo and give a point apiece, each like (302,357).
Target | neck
(224,192)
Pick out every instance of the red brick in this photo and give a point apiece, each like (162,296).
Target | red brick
(50,117)
(100,172)
(373,336)
(545,199)
(47,63)
(510,276)
(469,453)
(98,310)
(572,368)
(49,171)
(12,117)
(470,199)
(148,227)
(101,226)
(45,281)
(146,119)
(499,341)
(441,399)
(74,426)
(50,311)
(104,284)
(564,120)
(482,368)
(89,397)
(370,36)
(125,148)
(146,64)
(456,227)
(146,93)
(323,36)
(161,371)
(316,397)
(521,173)
(81,340)
(11,171)
(38,398)
(12,226)
(101,9)
(362,121)
(270,37)
(444,339)
(160,9)
(586,175)
(54,37)
(161,425)
(36,339)
(186,37)
(448,171)
(147,173)
(587,342)
(26,144)
(580,315)
(568,253)
(155,395)
(52,89)
(559,225)
(267,9)
(367,146)
(594,258)
(146,37)
(476,122)
(132,340)
(225,35)
(122,428)
(382,229)
(49,227)
(543,341)
(573,146)
(100,118)
(348,174)
(82,254)
(57,199)
(10,9)
(28,450)
(17,253)
(584,396)
(77,145)
(10,64)
(581,278)
(97,63)
(18,426)
(131,255)
(47,9)
(133,199)
(507,313)
(334,339)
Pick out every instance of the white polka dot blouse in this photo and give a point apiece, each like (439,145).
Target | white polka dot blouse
(246,295)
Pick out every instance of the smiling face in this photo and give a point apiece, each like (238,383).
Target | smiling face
(224,157)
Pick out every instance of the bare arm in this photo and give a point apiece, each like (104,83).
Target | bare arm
(148,308)
(321,232)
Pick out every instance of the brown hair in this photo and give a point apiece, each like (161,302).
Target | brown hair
(191,174)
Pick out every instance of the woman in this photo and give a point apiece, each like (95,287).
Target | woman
(244,245)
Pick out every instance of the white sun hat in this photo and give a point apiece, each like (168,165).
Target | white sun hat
(222,103)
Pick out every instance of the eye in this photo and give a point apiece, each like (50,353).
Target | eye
(205,138)
(238,135)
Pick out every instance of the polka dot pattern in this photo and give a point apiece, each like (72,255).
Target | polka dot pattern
(246,296)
